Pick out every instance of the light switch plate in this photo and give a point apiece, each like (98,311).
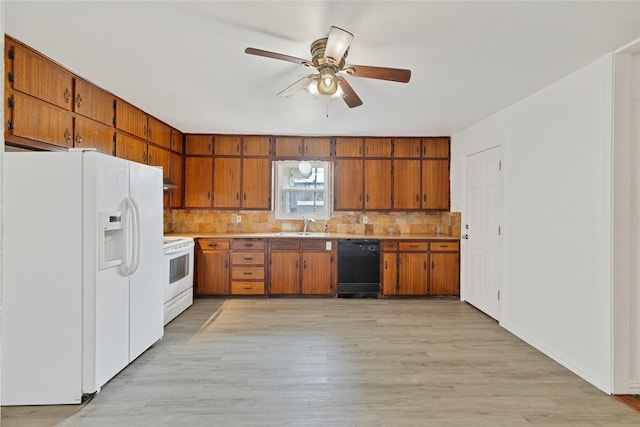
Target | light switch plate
(328,246)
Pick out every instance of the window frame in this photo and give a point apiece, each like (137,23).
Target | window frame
(278,190)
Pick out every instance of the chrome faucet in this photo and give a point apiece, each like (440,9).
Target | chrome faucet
(306,223)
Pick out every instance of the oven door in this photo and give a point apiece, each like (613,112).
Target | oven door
(179,272)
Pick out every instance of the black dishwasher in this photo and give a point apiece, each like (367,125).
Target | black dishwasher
(358,268)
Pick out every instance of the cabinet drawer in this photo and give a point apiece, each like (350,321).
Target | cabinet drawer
(247,273)
(389,246)
(414,246)
(247,288)
(445,246)
(212,244)
(285,244)
(247,258)
(316,244)
(247,244)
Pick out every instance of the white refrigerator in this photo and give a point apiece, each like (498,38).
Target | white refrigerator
(82,272)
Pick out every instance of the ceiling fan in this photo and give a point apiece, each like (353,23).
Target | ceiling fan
(329,56)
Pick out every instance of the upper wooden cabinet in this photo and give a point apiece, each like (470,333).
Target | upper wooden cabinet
(37,76)
(406,184)
(226,182)
(435,184)
(297,147)
(406,147)
(94,103)
(377,184)
(227,145)
(91,134)
(177,143)
(198,182)
(257,146)
(39,121)
(158,132)
(349,147)
(435,148)
(256,183)
(131,148)
(377,147)
(349,184)
(176,194)
(198,145)
(131,119)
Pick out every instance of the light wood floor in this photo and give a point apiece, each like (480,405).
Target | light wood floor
(337,362)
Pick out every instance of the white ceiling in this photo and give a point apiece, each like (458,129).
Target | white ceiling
(184,62)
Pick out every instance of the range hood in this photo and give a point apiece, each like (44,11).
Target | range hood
(167,184)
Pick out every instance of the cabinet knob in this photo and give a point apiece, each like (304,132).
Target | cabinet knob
(67,95)
(78,100)
(67,136)
(78,138)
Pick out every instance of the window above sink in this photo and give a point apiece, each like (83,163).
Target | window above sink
(303,190)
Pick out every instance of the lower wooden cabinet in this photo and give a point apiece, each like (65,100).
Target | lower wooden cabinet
(302,267)
(444,276)
(212,267)
(248,267)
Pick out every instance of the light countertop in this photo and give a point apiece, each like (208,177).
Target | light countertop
(314,235)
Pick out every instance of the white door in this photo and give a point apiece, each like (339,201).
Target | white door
(146,285)
(482,230)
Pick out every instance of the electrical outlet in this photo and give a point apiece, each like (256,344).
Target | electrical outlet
(365,219)
(238,218)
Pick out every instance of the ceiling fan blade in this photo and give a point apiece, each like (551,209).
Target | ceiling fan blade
(297,86)
(350,97)
(337,44)
(381,73)
(274,55)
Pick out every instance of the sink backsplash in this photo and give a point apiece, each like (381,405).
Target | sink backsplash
(217,221)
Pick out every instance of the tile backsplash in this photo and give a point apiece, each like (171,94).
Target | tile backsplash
(218,221)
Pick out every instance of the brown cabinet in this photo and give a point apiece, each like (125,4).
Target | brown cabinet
(389,260)
(349,147)
(198,182)
(444,276)
(158,132)
(227,145)
(227,182)
(377,184)
(177,141)
(301,266)
(406,147)
(198,145)
(176,195)
(435,184)
(349,184)
(377,147)
(91,134)
(131,148)
(296,147)
(257,146)
(435,148)
(131,119)
(160,157)
(406,184)
(35,120)
(248,267)
(212,267)
(93,102)
(410,273)
(256,183)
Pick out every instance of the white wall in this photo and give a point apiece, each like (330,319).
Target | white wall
(1,172)
(557,288)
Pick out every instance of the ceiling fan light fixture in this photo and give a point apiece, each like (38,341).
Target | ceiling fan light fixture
(327,84)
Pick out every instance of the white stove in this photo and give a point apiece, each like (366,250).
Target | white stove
(178,282)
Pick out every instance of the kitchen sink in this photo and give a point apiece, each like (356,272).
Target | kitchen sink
(302,234)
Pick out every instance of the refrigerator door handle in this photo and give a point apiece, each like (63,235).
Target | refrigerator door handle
(133,260)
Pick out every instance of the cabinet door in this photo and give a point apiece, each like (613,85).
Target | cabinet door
(37,120)
(406,184)
(435,184)
(349,184)
(317,273)
(444,278)
(227,145)
(256,183)
(160,157)
(176,141)
(41,78)
(317,147)
(91,134)
(390,273)
(226,182)
(412,279)
(349,147)
(175,195)
(377,184)
(257,146)
(406,147)
(285,273)
(198,182)
(199,145)
(435,148)
(158,133)
(93,102)
(131,119)
(212,276)
(288,147)
(131,148)
(377,147)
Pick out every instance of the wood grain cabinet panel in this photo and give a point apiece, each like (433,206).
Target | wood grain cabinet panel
(316,147)
(160,157)
(444,276)
(349,147)
(406,184)
(349,184)
(176,195)
(435,148)
(412,273)
(177,141)
(284,273)
(406,147)
(37,76)
(377,147)
(131,148)
(286,146)
(435,184)
(198,182)
(131,119)
(256,183)
(257,146)
(226,182)
(227,145)
(377,184)
(40,121)
(158,132)
(198,145)
(212,267)
(389,273)
(317,277)
(94,103)
(91,134)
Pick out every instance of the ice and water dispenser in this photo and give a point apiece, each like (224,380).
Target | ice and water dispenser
(110,240)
